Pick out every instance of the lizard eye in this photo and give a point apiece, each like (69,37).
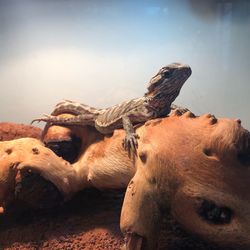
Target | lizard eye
(213,213)
(166,74)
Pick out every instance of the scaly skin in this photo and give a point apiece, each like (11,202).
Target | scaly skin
(163,89)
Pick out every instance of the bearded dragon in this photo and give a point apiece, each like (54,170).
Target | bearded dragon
(163,89)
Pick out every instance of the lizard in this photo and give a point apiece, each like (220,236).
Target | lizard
(163,88)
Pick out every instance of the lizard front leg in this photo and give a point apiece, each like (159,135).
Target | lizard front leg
(130,143)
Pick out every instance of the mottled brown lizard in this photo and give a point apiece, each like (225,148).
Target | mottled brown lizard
(163,89)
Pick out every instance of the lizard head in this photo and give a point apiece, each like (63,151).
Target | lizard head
(167,83)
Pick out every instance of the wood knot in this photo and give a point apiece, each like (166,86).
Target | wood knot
(131,184)
(189,114)
(176,112)
(238,121)
(143,157)
(152,180)
(89,178)
(8,151)
(35,151)
(208,115)
(209,153)
(132,188)
(213,213)
(212,120)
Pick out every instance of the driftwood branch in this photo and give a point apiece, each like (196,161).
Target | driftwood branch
(196,168)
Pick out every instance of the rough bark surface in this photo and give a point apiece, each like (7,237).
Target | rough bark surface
(90,220)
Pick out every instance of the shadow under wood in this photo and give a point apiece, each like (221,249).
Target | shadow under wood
(53,223)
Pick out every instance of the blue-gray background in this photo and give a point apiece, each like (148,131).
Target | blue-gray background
(105,52)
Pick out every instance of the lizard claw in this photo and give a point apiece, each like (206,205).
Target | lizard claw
(130,143)
(44,118)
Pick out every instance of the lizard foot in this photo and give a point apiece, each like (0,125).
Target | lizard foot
(130,143)
(45,118)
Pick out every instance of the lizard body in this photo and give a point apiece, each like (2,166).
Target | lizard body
(163,89)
